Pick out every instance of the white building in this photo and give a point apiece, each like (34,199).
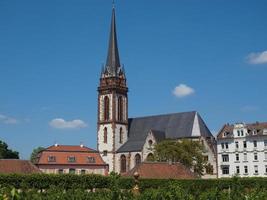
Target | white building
(125,142)
(242,150)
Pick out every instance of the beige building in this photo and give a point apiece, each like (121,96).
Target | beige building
(62,159)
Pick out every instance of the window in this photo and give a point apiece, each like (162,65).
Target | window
(265,143)
(255,143)
(236,145)
(123,163)
(60,171)
(105,135)
(237,157)
(226,145)
(83,171)
(265,155)
(246,169)
(245,144)
(150,142)
(254,132)
(209,169)
(121,135)
(137,159)
(71,159)
(265,169)
(222,144)
(255,156)
(237,170)
(206,158)
(225,158)
(225,170)
(51,158)
(71,171)
(120,109)
(106,108)
(256,171)
(91,159)
(242,133)
(105,153)
(245,156)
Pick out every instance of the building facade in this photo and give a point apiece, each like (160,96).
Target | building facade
(242,150)
(66,159)
(126,142)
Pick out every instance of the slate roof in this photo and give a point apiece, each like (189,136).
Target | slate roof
(173,126)
(113,67)
(158,170)
(11,166)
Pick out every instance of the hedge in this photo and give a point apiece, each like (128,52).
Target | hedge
(68,181)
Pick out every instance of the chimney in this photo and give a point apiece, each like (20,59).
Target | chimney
(56,144)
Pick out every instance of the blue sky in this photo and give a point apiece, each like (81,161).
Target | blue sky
(208,55)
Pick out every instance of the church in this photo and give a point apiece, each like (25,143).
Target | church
(125,142)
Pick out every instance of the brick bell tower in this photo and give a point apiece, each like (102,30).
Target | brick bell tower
(112,125)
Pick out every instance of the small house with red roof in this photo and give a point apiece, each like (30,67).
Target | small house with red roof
(79,159)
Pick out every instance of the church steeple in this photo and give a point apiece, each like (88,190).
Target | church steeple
(113,67)
(112,119)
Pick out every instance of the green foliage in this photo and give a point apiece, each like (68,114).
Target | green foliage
(187,152)
(115,187)
(34,154)
(6,153)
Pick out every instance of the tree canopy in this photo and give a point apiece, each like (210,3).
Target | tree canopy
(187,152)
(34,154)
(6,153)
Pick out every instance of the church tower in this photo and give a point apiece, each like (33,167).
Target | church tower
(112,103)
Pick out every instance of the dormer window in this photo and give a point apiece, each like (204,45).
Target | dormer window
(71,159)
(238,133)
(51,158)
(254,132)
(91,159)
(242,133)
(225,134)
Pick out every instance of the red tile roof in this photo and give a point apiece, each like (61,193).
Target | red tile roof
(159,170)
(9,166)
(61,153)
(72,148)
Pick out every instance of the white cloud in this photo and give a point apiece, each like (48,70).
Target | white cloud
(8,120)
(60,123)
(257,58)
(183,90)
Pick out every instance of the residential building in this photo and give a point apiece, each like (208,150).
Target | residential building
(242,150)
(16,166)
(126,142)
(61,159)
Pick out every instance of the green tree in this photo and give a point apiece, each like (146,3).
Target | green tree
(6,153)
(34,154)
(187,152)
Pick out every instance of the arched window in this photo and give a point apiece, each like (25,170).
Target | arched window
(123,163)
(150,157)
(150,142)
(137,159)
(120,109)
(106,108)
(121,135)
(105,135)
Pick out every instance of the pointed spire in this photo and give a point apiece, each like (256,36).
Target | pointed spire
(113,59)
